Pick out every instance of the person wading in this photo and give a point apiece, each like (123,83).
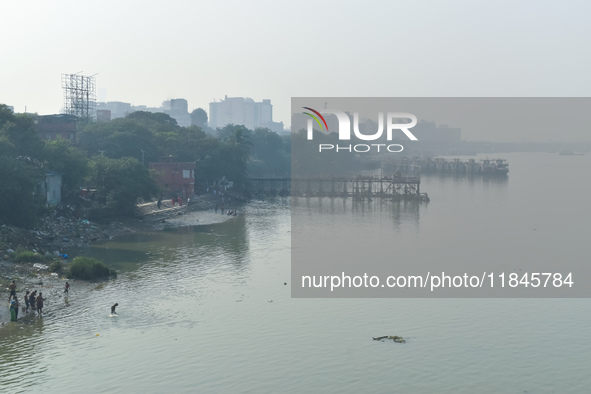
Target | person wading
(27,302)
(39,302)
(32,300)
(12,288)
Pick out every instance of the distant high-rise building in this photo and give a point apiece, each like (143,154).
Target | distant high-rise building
(243,111)
(145,108)
(118,109)
(176,108)
(179,110)
(103,115)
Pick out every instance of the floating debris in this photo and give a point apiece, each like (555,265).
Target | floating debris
(395,338)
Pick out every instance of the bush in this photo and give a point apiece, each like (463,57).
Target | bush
(55,266)
(27,256)
(88,268)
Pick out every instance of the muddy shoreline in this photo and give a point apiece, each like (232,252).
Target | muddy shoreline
(58,234)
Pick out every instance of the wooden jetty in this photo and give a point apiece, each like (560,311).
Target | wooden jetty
(357,187)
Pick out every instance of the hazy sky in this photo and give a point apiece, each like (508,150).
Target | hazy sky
(148,51)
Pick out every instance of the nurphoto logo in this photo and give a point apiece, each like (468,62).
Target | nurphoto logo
(395,121)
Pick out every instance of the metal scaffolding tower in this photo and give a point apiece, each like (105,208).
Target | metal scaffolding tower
(79,96)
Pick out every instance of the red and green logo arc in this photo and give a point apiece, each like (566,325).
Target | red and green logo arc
(316,117)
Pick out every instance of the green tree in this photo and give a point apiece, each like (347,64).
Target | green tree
(124,137)
(155,121)
(19,178)
(20,130)
(120,182)
(20,171)
(199,118)
(270,154)
(69,161)
(235,151)
(6,115)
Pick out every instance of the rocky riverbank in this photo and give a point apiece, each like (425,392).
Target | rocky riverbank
(28,277)
(55,235)
(62,231)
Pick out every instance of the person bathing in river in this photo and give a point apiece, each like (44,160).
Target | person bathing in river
(113,309)
(27,302)
(67,289)
(39,302)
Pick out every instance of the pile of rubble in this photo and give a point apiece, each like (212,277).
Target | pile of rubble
(59,232)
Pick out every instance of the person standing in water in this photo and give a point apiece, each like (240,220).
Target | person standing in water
(27,302)
(12,288)
(32,300)
(13,311)
(39,302)
(113,309)
(16,307)
(67,289)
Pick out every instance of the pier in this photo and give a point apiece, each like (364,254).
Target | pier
(357,187)
(418,165)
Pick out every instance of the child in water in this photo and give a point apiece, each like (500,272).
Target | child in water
(113,309)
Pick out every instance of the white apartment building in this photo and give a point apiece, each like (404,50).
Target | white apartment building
(243,111)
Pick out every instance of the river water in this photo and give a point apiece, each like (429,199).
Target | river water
(203,308)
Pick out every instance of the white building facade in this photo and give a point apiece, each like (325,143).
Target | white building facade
(243,111)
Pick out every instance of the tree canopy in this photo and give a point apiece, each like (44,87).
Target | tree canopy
(113,157)
(199,118)
(120,182)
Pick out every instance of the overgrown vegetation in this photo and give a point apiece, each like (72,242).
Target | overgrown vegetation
(88,268)
(56,266)
(27,256)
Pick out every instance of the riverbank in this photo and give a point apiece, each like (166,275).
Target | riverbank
(58,234)
(30,278)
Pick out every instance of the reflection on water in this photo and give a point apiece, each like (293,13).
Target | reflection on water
(397,214)
(195,312)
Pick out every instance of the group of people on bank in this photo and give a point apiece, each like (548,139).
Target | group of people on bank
(32,301)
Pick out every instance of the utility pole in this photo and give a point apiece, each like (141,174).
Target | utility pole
(142,156)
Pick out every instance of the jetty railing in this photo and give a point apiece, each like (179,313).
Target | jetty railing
(358,187)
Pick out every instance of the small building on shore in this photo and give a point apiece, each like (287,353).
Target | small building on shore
(51,188)
(178,178)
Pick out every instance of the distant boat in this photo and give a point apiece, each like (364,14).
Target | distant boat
(570,153)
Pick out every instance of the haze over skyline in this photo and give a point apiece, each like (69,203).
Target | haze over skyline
(150,51)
